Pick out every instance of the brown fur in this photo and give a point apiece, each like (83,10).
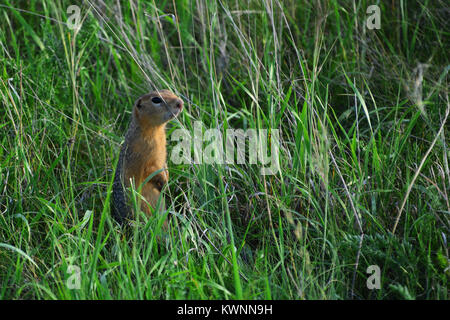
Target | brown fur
(144,150)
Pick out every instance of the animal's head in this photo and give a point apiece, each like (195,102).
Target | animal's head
(158,107)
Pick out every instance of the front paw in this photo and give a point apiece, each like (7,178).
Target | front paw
(160,180)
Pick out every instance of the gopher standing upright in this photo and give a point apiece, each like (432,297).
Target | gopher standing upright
(144,151)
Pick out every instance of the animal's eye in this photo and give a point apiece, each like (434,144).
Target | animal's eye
(156,100)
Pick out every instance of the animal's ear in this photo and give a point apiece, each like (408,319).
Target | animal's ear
(138,103)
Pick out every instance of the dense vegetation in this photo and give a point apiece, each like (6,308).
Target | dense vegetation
(364,160)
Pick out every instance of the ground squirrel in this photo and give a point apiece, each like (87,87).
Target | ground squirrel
(144,151)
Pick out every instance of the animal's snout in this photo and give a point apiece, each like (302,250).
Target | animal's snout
(179,105)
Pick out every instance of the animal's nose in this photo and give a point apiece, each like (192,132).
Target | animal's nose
(179,105)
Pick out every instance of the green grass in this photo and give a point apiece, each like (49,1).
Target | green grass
(364,157)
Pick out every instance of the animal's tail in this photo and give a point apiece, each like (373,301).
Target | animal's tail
(120,208)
